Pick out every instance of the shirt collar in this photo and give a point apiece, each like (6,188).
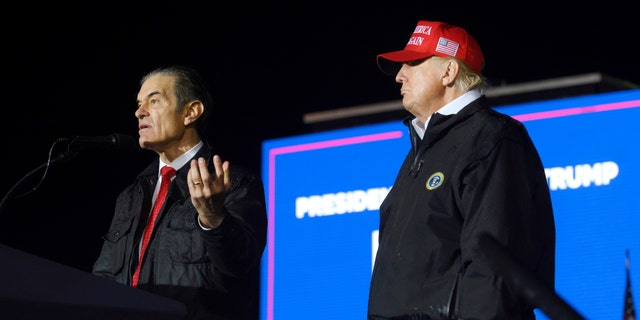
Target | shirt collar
(184,158)
(460,102)
(452,107)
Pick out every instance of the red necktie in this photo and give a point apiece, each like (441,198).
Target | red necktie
(167,173)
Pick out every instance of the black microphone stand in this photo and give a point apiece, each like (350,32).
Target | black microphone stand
(62,157)
(525,284)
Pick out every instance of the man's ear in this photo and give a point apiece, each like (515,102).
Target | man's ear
(450,72)
(192,111)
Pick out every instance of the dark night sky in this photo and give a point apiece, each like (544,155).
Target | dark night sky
(74,71)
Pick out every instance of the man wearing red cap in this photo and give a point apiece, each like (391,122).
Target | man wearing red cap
(471,173)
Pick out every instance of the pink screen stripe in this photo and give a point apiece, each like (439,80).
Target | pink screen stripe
(578,110)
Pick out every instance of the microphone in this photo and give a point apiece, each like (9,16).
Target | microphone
(111,142)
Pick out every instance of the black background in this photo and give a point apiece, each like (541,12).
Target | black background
(74,70)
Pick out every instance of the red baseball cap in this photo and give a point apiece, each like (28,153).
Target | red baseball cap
(434,38)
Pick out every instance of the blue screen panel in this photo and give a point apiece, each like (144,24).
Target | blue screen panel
(323,192)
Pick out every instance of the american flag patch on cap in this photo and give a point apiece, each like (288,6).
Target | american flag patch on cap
(447,47)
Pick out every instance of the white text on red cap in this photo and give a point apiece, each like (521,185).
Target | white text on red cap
(418,40)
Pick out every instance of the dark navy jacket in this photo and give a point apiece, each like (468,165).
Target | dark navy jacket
(475,172)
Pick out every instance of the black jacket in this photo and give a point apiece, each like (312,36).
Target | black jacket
(216,272)
(474,172)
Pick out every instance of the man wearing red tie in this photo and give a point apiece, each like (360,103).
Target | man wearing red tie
(203,244)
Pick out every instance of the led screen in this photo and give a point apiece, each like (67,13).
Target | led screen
(324,189)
